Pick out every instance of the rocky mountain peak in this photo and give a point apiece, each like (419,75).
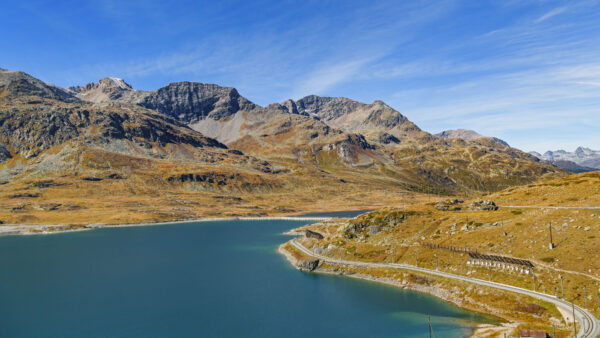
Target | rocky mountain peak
(464,134)
(353,116)
(18,83)
(193,101)
(582,152)
(113,82)
(106,89)
(467,134)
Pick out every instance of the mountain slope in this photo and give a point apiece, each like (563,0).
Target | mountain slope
(353,116)
(73,162)
(341,135)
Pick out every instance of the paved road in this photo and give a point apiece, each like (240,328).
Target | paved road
(591,326)
(547,207)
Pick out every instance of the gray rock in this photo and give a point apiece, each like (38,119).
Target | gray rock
(312,234)
(309,264)
(4,153)
(190,102)
(486,205)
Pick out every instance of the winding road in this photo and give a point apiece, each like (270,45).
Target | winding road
(591,325)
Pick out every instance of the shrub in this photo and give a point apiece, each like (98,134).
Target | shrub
(532,308)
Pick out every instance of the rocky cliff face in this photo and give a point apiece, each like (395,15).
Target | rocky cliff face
(333,133)
(353,116)
(30,128)
(35,117)
(190,102)
(199,105)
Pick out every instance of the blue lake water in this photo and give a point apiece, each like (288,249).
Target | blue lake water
(210,279)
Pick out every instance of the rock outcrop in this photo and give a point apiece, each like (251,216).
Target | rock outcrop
(485,205)
(32,128)
(313,234)
(309,264)
(190,102)
(449,205)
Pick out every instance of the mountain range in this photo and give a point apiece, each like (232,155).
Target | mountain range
(188,137)
(580,160)
(358,134)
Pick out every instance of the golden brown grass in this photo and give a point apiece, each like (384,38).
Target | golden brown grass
(515,232)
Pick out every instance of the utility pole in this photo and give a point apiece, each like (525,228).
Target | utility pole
(436,262)
(562,286)
(533,275)
(416,259)
(585,296)
(555,292)
(490,272)
(553,331)
(551,242)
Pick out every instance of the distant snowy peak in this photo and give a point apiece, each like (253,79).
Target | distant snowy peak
(584,157)
(106,89)
(115,82)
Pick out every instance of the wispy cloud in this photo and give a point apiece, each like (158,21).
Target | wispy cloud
(550,14)
(530,70)
(318,81)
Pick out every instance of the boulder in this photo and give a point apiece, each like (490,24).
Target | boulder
(446,207)
(312,234)
(486,205)
(309,264)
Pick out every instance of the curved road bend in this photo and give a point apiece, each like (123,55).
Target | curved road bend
(591,326)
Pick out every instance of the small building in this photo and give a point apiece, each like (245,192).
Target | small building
(533,334)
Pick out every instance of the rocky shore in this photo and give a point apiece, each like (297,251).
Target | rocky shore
(451,296)
(40,229)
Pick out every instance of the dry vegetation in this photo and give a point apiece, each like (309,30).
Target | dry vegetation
(84,185)
(395,234)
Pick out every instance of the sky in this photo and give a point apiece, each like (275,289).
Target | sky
(525,71)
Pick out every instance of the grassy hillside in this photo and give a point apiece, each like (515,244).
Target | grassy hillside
(397,234)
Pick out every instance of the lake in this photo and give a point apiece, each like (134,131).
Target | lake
(197,279)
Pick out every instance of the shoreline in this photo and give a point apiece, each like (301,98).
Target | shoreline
(49,229)
(479,330)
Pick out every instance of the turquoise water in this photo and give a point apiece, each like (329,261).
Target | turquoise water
(212,279)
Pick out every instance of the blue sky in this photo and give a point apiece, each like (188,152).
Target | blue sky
(525,71)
